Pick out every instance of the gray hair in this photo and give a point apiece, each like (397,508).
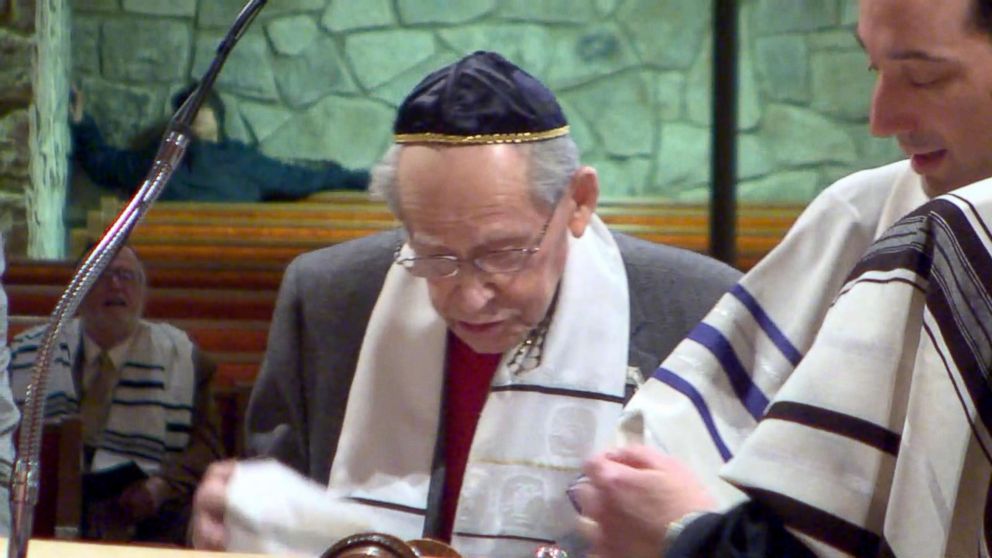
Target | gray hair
(552,164)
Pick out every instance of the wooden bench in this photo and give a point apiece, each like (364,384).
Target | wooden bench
(161,274)
(273,233)
(59,508)
(165,304)
(228,322)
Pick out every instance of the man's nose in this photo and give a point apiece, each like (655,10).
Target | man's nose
(891,109)
(474,289)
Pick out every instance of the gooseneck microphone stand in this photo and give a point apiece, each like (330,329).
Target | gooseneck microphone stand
(24,480)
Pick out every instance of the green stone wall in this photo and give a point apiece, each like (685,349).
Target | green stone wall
(34,138)
(318,79)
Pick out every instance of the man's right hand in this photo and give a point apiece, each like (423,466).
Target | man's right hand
(209,506)
(76,105)
(632,496)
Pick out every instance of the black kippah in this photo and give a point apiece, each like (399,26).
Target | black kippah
(482,98)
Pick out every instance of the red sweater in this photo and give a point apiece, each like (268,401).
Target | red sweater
(467,386)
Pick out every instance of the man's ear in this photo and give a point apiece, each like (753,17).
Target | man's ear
(584,191)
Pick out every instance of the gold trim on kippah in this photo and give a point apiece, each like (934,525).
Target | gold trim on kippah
(522,137)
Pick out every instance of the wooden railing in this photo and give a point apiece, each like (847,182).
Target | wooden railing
(273,233)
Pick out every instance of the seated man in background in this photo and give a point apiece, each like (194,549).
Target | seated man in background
(9,414)
(861,344)
(215,168)
(142,390)
(449,379)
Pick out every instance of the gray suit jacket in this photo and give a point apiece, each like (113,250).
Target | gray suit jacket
(298,402)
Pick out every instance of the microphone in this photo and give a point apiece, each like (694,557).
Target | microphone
(24,480)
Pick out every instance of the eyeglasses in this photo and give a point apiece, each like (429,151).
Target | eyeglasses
(121,274)
(510,260)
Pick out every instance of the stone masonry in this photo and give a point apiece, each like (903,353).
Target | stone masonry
(34,141)
(320,79)
(16,44)
(316,79)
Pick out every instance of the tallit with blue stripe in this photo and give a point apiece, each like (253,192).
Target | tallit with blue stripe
(152,407)
(879,443)
(710,393)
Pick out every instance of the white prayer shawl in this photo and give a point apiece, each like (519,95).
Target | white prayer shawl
(879,442)
(152,407)
(535,431)
(9,415)
(708,395)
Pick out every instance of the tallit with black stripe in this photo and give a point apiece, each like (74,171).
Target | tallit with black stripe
(709,394)
(536,429)
(152,407)
(879,443)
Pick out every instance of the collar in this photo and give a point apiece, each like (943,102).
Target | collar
(117,353)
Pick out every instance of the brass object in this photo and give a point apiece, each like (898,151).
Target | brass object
(378,545)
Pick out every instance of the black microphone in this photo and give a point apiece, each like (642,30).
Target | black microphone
(24,479)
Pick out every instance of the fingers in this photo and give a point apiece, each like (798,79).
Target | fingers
(632,495)
(209,535)
(209,506)
(221,470)
(591,531)
(607,474)
(640,457)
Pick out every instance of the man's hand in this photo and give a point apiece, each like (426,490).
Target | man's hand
(632,495)
(76,104)
(143,498)
(209,506)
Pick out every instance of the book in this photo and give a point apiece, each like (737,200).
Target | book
(110,483)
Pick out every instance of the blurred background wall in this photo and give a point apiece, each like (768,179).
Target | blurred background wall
(320,79)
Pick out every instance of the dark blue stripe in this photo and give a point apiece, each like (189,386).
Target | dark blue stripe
(141,384)
(130,453)
(30,364)
(143,366)
(57,404)
(33,348)
(133,438)
(148,403)
(40,332)
(789,351)
(751,397)
(670,379)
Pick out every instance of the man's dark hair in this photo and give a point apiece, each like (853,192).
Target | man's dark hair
(983,15)
(212,100)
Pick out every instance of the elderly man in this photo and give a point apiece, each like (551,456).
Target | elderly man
(142,391)
(869,373)
(450,379)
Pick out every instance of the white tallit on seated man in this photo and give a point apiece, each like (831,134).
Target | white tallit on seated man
(450,379)
(9,414)
(722,380)
(142,390)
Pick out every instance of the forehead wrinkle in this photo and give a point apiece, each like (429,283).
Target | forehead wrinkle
(904,54)
(478,231)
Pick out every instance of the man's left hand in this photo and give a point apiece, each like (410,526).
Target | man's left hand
(142,499)
(632,496)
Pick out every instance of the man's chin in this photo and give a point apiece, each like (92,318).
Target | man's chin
(493,340)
